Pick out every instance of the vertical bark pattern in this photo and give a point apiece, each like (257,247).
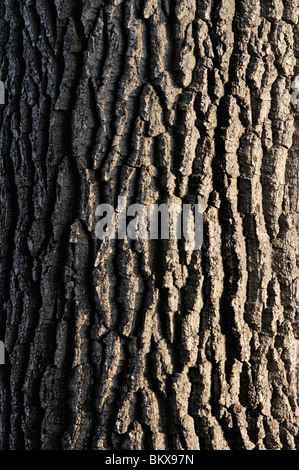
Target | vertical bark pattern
(128,344)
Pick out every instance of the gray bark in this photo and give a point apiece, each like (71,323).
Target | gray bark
(126,345)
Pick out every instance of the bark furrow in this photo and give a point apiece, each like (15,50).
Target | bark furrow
(141,344)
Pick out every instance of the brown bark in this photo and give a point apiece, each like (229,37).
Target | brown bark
(126,345)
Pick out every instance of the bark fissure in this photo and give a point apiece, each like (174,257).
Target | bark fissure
(133,344)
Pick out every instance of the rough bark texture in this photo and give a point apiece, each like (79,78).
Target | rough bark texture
(142,345)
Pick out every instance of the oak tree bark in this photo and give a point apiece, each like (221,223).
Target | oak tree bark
(119,344)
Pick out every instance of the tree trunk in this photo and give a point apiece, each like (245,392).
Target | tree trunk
(123,344)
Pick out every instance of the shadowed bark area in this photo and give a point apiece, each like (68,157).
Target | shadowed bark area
(123,344)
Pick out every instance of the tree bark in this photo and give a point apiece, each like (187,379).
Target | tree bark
(122,344)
